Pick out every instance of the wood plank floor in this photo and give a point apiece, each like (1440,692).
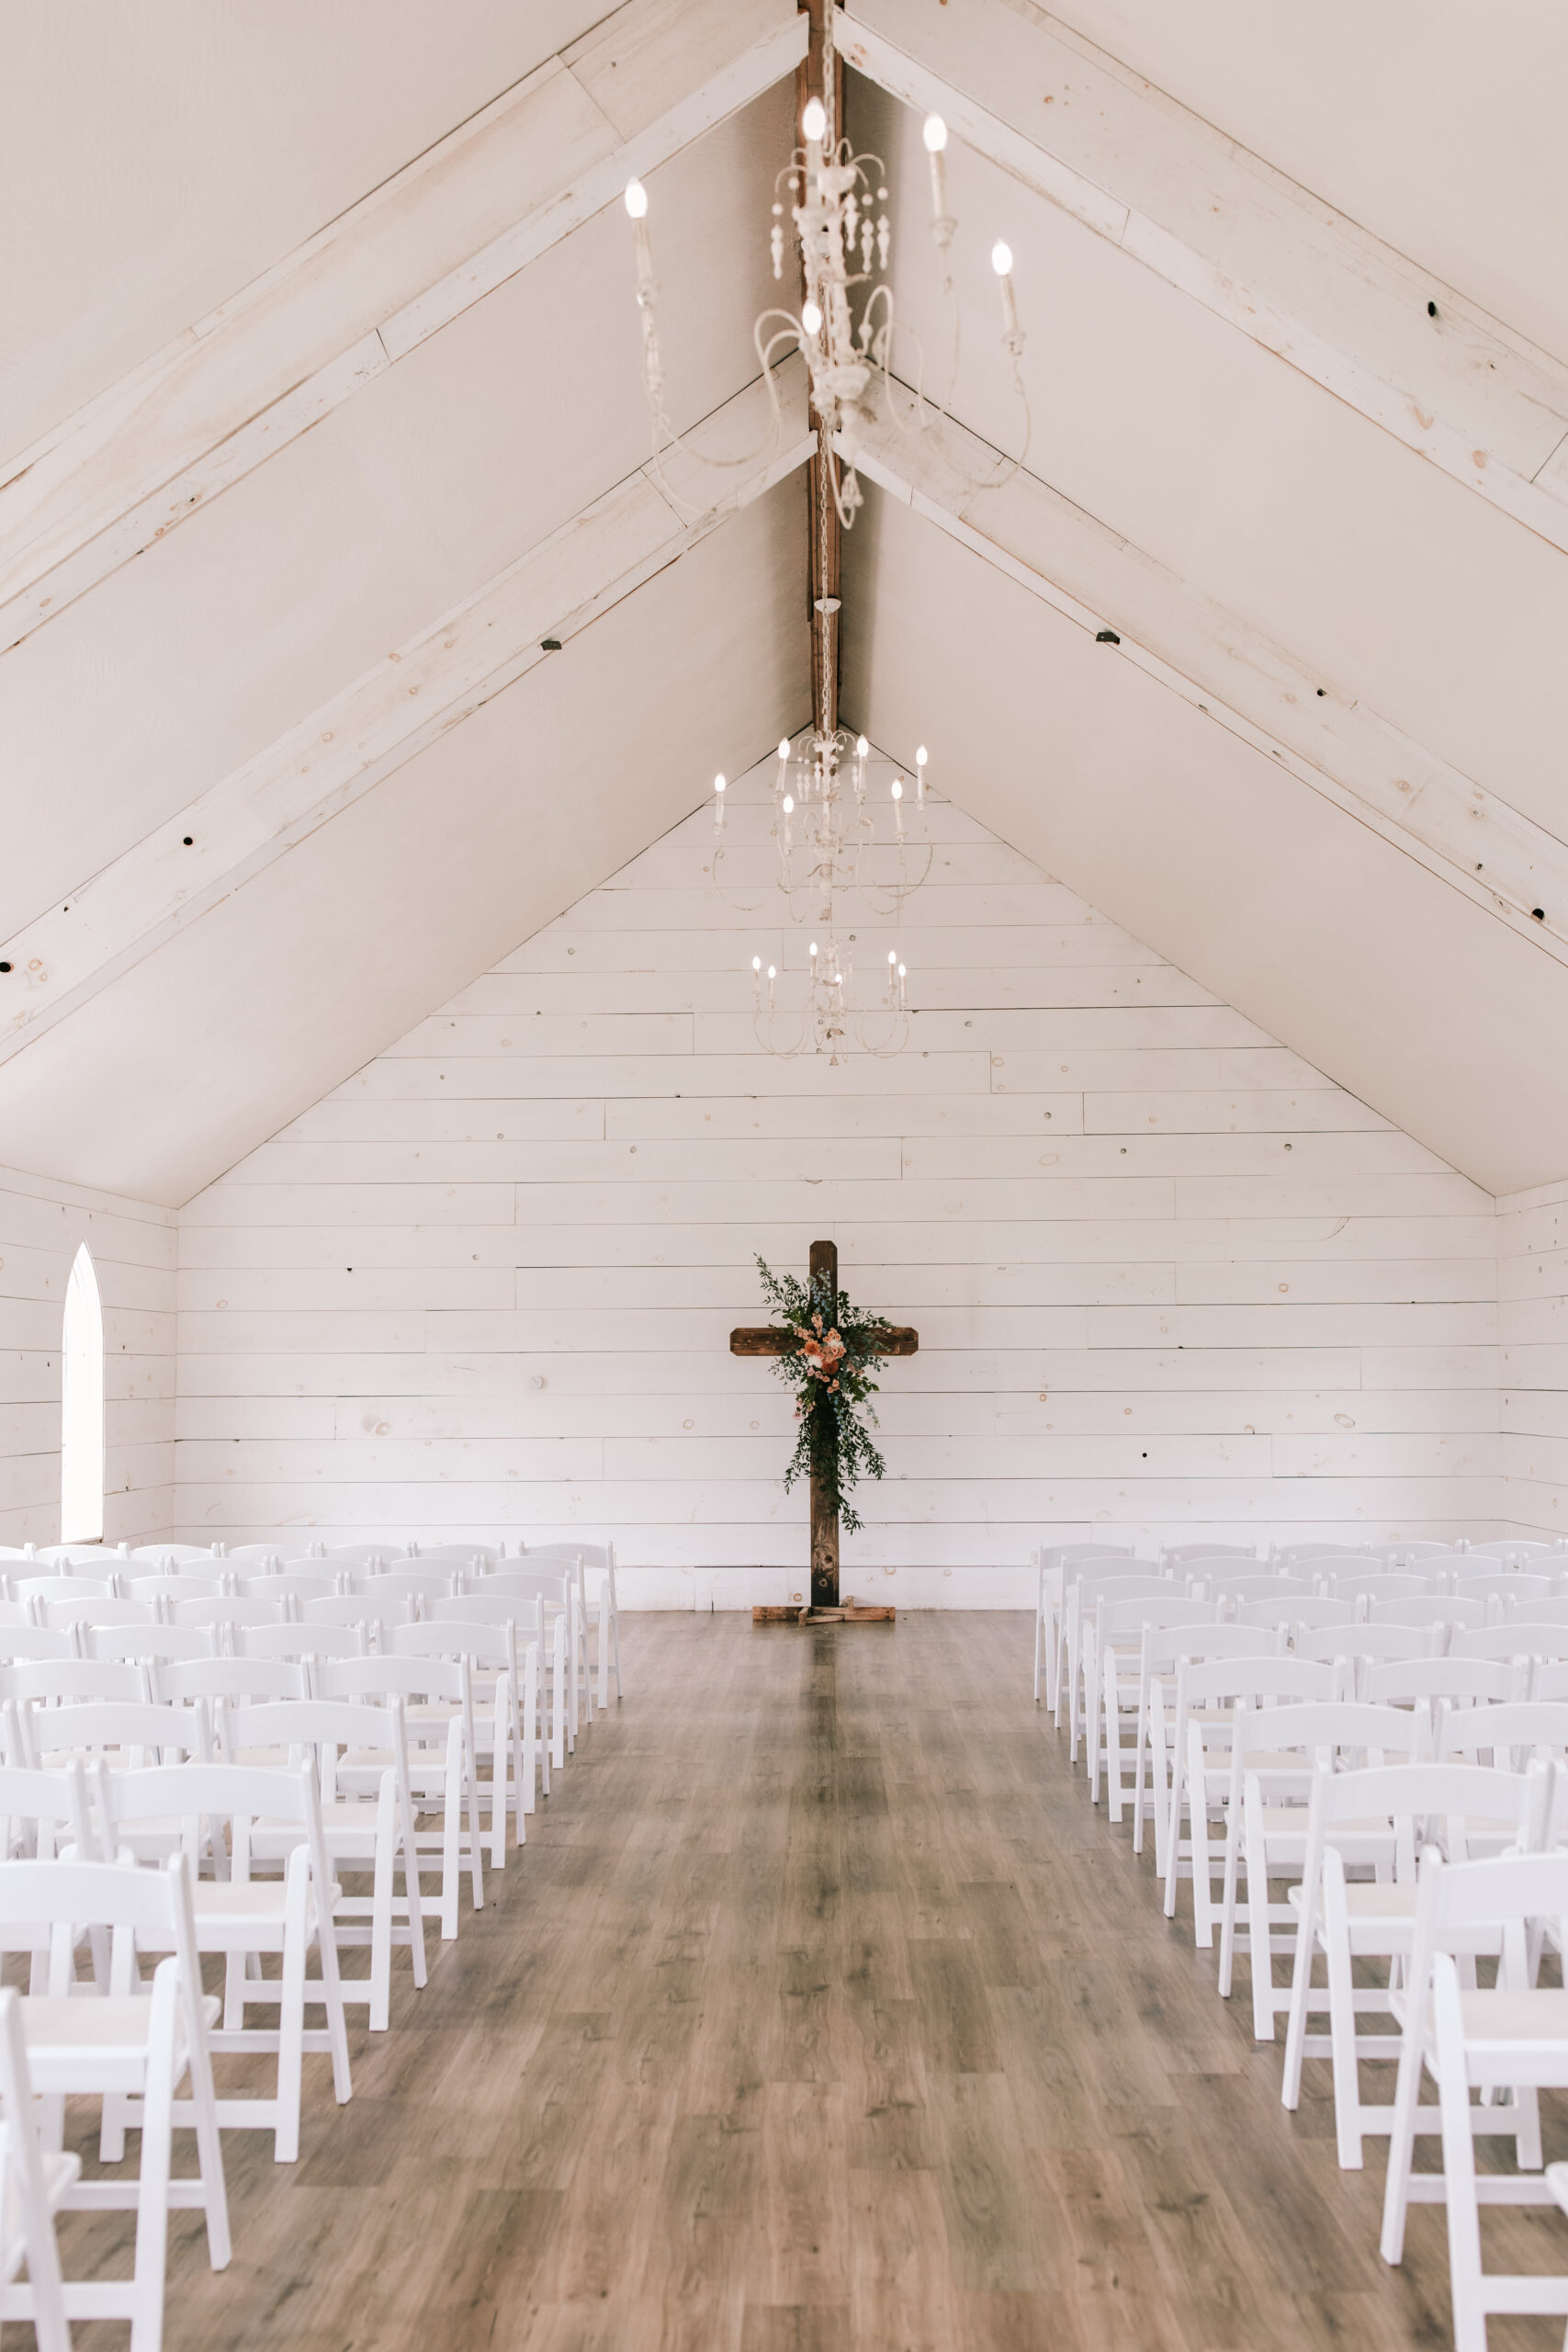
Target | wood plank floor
(822,2012)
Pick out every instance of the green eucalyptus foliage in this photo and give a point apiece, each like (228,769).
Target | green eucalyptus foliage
(835,1351)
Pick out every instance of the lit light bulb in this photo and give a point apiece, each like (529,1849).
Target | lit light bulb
(934,134)
(783,747)
(897,788)
(636,200)
(892,954)
(921,757)
(756,963)
(811,317)
(718,784)
(814,951)
(903,968)
(773,971)
(789,804)
(862,747)
(1001,259)
(814,121)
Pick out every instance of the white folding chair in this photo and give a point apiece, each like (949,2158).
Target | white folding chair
(1511,2037)
(1350,1920)
(543,1703)
(510,1732)
(121,2041)
(438,1722)
(1273,1751)
(1206,1699)
(1112,1675)
(243,1918)
(374,1831)
(1051,1561)
(1159,1661)
(35,2183)
(601,1610)
(557,1597)
(1082,1596)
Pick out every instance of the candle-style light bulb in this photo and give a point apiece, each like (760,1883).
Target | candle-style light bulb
(935,136)
(920,775)
(1001,262)
(637,200)
(897,788)
(814,121)
(811,317)
(862,747)
(720,788)
(784,750)
(756,963)
(789,804)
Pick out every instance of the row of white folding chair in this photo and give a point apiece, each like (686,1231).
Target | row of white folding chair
(1053,1563)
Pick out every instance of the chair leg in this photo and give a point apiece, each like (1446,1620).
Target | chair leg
(476,1843)
(1300,1990)
(291,2033)
(331,1988)
(1458,2163)
(1401,2138)
(1342,2015)
(153,2178)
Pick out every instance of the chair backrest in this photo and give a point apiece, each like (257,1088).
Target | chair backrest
(1123,1621)
(57,1587)
(1429,1609)
(349,1609)
(1538,1725)
(286,1585)
(1331,1727)
(1421,1794)
(1374,1642)
(484,1645)
(196,1794)
(1468,1681)
(93,1611)
(1223,1681)
(301,1641)
(1376,1584)
(388,1584)
(1503,1584)
(146,1641)
(1164,1647)
(405,1677)
(1454,1899)
(325,1724)
(1175,1555)
(228,1609)
(457,1556)
(1239,1591)
(150,1906)
(254,1557)
(1296,1553)
(67,1681)
(233,1677)
(1061,1555)
(1418,1549)
(554,1591)
(526,1611)
(1315,1612)
(351,1555)
(1547,1611)
(18,1642)
(1512,1639)
(137,1724)
(159,1552)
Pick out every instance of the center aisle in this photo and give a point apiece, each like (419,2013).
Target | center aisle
(821,2011)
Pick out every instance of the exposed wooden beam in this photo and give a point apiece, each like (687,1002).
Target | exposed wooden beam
(366,732)
(1142,172)
(824,533)
(375,284)
(1233,674)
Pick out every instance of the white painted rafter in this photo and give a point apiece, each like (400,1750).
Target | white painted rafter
(241,824)
(375,284)
(1227,230)
(1233,674)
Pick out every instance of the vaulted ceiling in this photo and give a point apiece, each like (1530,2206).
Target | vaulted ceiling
(321,409)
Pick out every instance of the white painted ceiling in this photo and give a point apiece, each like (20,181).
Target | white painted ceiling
(1415,603)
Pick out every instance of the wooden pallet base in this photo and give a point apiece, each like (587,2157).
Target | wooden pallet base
(847,1613)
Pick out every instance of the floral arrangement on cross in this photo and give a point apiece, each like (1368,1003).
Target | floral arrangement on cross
(836,1348)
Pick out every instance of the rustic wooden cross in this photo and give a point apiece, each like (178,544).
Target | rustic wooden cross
(764,1339)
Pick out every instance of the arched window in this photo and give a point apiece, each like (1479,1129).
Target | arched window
(82,1409)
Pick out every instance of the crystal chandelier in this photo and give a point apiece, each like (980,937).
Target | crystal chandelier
(846,828)
(838,201)
(827,847)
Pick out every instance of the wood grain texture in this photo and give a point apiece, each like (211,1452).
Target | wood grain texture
(822,2012)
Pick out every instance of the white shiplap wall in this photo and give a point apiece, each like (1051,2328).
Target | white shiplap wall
(134,1246)
(1533,1286)
(1165,1276)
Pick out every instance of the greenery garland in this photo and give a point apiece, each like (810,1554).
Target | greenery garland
(835,1351)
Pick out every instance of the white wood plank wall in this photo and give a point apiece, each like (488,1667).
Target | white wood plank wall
(1532,1287)
(1168,1280)
(134,1247)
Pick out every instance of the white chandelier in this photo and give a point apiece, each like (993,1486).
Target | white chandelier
(846,826)
(828,846)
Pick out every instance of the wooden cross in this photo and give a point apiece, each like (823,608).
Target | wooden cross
(765,1339)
